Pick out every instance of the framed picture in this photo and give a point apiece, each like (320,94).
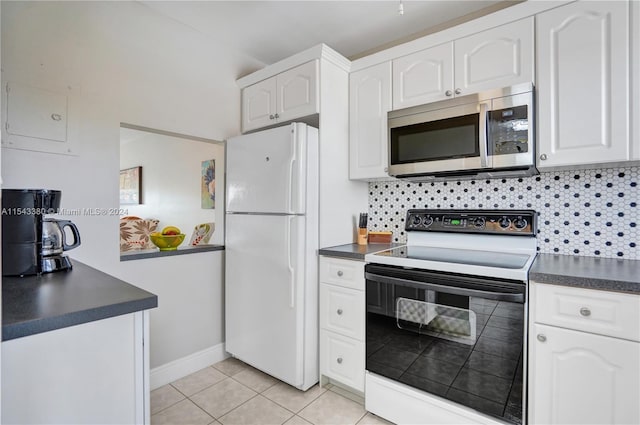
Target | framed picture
(208,184)
(130,185)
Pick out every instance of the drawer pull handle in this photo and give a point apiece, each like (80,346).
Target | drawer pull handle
(340,273)
(339,312)
(585,312)
(339,360)
(541,338)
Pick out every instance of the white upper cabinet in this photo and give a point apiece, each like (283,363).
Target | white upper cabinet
(583,84)
(284,97)
(491,59)
(259,104)
(423,77)
(495,58)
(369,102)
(297,92)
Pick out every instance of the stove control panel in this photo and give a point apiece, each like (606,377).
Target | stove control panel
(513,222)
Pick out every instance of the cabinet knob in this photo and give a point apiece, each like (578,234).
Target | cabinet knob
(56,117)
(448,93)
(339,360)
(277,116)
(272,117)
(458,91)
(541,338)
(340,273)
(543,157)
(585,311)
(339,311)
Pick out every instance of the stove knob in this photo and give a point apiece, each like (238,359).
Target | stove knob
(504,222)
(479,222)
(520,223)
(428,221)
(416,220)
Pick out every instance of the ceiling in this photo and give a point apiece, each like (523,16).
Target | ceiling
(269,31)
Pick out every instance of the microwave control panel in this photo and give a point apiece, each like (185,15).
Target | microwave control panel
(516,222)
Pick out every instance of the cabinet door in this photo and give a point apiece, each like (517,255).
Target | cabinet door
(298,92)
(259,105)
(581,378)
(423,77)
(499,57)
(583,84)
(342,359)
(369,102)
(342,311)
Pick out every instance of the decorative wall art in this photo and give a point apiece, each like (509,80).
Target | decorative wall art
(208,184)
(130,186)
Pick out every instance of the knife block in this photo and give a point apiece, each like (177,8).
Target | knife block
(363,235)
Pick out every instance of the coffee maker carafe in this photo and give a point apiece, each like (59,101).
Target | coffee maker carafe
(24,228)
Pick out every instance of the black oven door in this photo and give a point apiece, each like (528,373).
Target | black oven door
(455,336)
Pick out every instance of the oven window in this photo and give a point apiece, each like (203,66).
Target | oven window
(462,348)
(456,137)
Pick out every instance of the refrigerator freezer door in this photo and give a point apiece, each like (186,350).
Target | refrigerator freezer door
(266,171)
(264,296)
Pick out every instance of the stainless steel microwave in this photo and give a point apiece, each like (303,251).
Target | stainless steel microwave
(482,135)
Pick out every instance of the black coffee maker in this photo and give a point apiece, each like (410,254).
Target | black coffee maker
(31,243)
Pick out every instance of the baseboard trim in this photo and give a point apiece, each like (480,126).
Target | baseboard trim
(180,368)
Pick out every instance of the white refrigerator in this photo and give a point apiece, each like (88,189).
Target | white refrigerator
(271,243)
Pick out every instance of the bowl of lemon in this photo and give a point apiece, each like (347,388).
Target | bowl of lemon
(169,239)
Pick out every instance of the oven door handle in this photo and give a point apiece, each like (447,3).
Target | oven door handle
(448,289)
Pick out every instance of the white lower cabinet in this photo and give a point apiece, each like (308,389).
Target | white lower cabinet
(581,371)
(342,359)
(342,322)
(92,373)
(582,378)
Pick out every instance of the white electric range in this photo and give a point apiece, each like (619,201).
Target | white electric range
(446,318)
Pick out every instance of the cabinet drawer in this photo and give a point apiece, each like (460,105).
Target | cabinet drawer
(588,310)
(347,273)
(342,310)
(342,359)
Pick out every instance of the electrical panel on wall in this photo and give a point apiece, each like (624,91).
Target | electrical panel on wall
(38,120)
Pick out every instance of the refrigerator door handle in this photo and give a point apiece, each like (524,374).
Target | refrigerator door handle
(292,300)
(292,161)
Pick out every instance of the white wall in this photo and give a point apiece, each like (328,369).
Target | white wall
(124,63)
(171,174)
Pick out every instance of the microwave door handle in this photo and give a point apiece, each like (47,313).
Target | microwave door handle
(484,158)
(491,295)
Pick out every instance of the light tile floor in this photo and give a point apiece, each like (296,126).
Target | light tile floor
(232,392)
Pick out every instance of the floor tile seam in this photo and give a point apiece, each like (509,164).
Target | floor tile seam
(186,398)
(258,392)
(213,385)
(348,398)
(301,409)
(255,393)
(172,404)
(248,400)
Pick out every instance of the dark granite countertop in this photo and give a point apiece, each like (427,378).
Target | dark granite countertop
(155,253)
(35,304)
(587,272)
(355,251)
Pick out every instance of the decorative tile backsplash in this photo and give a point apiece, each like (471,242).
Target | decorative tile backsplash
(583,212)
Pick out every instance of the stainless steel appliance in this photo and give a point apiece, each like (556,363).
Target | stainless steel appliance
(31,243)
(483,135)
(446,317)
